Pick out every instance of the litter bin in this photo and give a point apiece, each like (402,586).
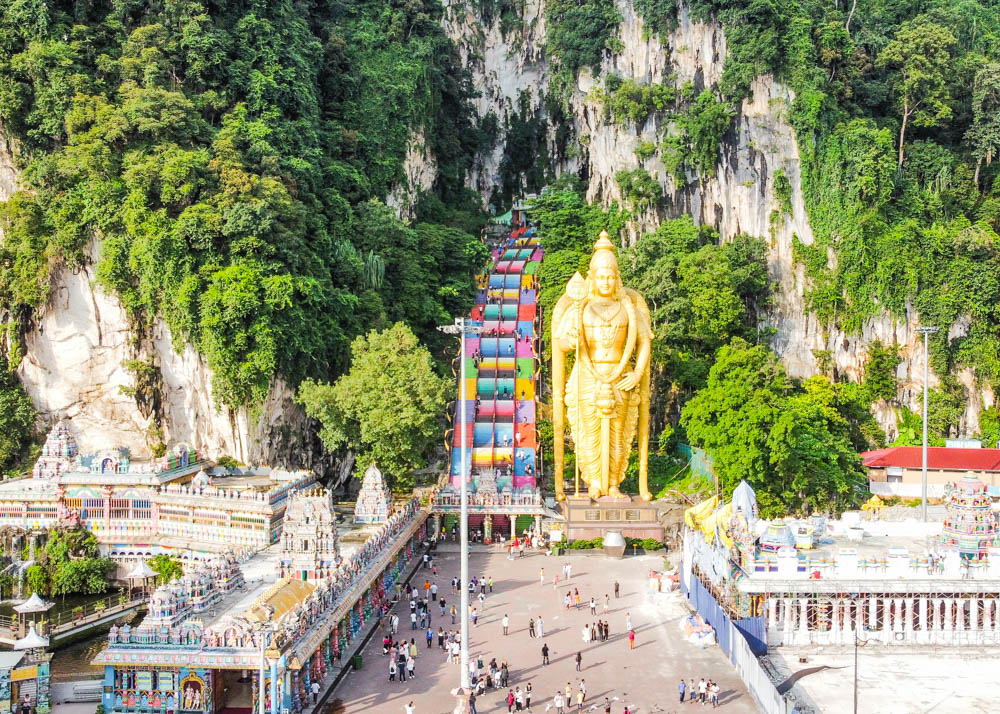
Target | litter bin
(356,661)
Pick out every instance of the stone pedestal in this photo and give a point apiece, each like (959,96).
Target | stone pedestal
(631,516)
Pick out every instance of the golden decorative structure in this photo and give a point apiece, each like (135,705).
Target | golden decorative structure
(606,397)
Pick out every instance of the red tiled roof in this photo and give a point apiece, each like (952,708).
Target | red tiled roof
(938,457)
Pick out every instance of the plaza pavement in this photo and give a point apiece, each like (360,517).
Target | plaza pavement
(645,679)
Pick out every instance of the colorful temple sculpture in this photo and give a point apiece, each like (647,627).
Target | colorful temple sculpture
(310,548)
(173,504)
(501,368)
(971,525)
(374,500)
(206,631)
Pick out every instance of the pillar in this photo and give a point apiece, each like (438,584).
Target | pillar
(897,621)
(538,525)
(910,615)
(772,612)
(872,612)
(974,614)
(274,687)
(803,620)
(436,522)
(949,622)
(787,614)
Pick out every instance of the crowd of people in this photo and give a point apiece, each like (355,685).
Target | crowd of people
(492,675)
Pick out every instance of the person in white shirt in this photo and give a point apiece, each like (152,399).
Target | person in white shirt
(409,708)
(702,688)
(505,622)
(559,703)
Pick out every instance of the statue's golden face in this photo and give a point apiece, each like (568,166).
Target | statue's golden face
(605,280)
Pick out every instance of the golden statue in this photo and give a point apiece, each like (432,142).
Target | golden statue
(606,398)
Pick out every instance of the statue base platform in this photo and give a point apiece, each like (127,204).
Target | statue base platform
(633,517)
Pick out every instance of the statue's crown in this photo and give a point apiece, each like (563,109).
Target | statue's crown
(604,242)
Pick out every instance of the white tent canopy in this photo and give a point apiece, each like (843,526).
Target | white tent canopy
(32,640)
(141,571)
(33,604)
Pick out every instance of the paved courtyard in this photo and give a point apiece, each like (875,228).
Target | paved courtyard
(645,679)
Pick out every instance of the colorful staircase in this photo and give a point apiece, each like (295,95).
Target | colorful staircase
(500,390)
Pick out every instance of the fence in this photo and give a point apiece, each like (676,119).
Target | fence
(742,641)
(701,463)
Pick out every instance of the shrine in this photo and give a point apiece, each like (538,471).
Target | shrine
(309,543)
(971,525)
(374,500)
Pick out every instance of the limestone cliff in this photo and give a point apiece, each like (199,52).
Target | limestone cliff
(739,198)
(77,367)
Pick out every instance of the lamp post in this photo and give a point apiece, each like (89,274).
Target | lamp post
(925,331)
(461,329)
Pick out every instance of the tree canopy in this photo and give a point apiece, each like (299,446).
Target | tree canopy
(387,406)
(792,444)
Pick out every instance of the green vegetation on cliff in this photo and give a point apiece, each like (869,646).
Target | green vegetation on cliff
(228,162)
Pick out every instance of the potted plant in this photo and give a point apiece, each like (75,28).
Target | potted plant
(77,613)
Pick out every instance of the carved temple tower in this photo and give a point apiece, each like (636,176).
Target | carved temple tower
(310,548)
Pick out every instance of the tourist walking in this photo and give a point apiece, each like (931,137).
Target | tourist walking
(545,653)
(579,661)
(559,702)
(593,607)
(472,703)
(714,690)
(680,689)
(505,622)
(314,688)
(527,696)
(541,577)
(607,603)
(392,670)
(616,590)
(531,627)
(409,707)
(541,627)
(628,620)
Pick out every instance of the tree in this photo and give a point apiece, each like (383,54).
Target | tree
(880,372)
(989,427)
(87,575)
(732,417)
(920,53)
(797,446)
(166,568)
(984,134)
(387,407)
(17,417)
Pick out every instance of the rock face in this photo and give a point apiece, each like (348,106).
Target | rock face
(76,368)
(739,198)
